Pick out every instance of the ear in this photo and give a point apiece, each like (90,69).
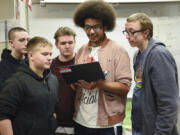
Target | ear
(11,43)
(30,56)
(104,28)
(146,33)
(56,43)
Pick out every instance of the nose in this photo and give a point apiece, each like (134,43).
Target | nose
(127,36)
(92,30)
(26,41)
(67,45)
(49,57)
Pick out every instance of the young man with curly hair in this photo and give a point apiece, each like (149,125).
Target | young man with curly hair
(155,96)
(100,105)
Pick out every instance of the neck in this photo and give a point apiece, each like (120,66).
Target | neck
(17,56)
(143,46)
(66,58)
(95,44)
(39,72)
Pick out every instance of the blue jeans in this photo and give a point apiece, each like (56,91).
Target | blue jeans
(81,130)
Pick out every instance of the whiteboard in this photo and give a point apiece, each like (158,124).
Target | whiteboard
(44,21)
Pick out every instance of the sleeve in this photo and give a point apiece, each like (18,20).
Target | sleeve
(2,77)
(78,54)
(10,98)
(57,98)
(1,82)
(122,67)
(163,74)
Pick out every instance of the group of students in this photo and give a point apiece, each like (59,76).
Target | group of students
(35,100)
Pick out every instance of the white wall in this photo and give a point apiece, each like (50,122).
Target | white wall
(44,21)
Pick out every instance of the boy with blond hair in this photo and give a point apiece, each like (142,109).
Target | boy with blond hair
(65,42)
(29,97)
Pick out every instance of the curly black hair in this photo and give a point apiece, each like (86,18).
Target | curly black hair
(95,9)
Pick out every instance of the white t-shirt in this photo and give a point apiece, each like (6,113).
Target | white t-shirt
(88,109)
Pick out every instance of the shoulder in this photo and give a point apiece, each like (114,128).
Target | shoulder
(160,51)
(82,48)
(20,76)
(4,63)
(54,64)
(53,81)
(160,57)
(6,68)
(15,81)
(54,60)
(116,49)
(52,78)
(115,46)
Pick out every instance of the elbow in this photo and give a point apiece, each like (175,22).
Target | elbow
(124,89)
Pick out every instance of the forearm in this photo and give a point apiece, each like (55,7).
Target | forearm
(6,127)
(114,87)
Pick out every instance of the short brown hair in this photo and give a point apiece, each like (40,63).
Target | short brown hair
(64,31)
(37,42)
(13,30)
(95,9)
(144,20)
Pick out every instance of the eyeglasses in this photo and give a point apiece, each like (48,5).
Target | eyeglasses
(130,33)
(95,27)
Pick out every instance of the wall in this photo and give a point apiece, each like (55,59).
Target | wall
(8,13)
(44,21)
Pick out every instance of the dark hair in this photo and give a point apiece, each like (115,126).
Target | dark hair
(13,30)
(95,9)
(64,31)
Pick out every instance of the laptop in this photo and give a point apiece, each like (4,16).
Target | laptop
(88,72)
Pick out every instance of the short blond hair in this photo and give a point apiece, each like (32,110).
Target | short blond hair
(37,42)
(145,22)
(64,31)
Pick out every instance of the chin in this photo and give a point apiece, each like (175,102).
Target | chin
(94,40)
(132,44)
(24,52)
(67,54)
(47,67)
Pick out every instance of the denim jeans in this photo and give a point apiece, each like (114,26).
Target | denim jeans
(81,130)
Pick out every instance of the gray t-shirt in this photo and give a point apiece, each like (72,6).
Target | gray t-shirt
(136,101)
